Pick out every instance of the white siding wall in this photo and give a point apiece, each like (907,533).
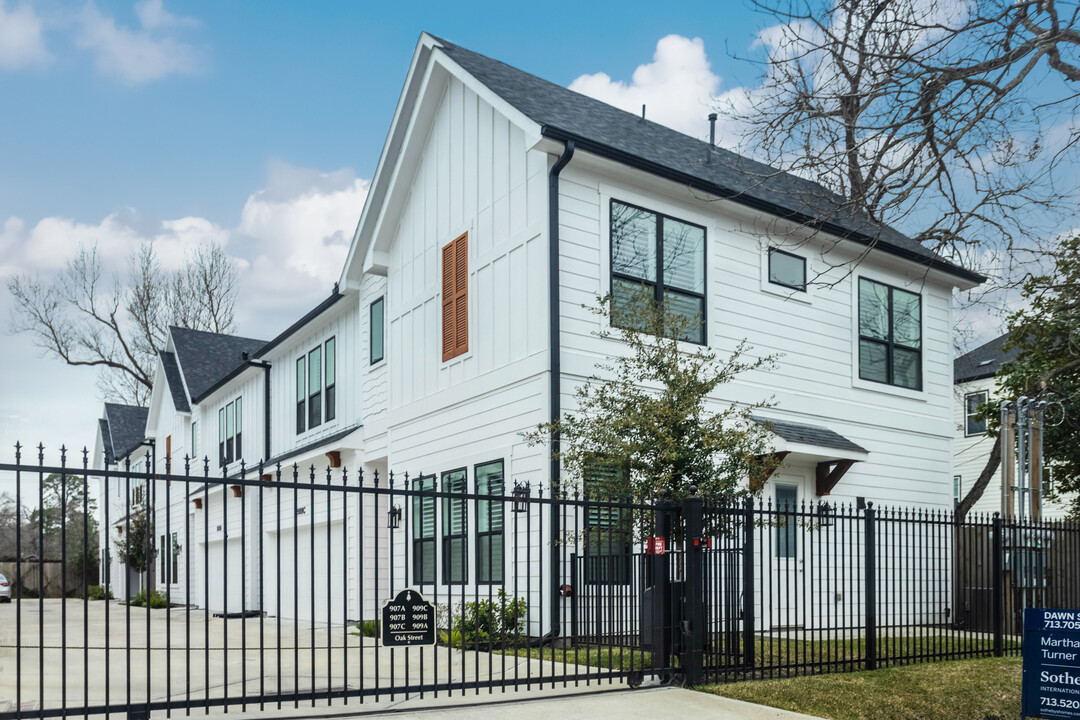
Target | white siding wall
(907,433)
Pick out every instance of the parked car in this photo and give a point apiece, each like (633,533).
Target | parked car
(5,590)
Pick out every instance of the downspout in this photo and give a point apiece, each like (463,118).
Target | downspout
(555,371)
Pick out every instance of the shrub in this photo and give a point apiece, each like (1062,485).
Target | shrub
(368,628)
(157,600)
(498,622)
(96,592)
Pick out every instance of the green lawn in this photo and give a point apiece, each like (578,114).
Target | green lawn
(947,690)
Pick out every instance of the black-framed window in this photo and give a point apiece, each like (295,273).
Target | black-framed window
(423,531)
(455,523)
(316,386)
(787,499)
(376,319)
(231,432)
(890,335)
(301,394)
(607,528)
(787,269)
(163,559)
(661,255)
(315,396)
(174,553)
(194,454)
(973,424)
(331,378)
(489,522)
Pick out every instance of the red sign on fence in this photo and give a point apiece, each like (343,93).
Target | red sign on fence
(655,546)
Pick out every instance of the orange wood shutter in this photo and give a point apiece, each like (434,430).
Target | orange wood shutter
(455,298)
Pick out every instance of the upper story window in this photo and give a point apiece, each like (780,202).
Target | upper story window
(662,256)
(890,335)
(455,298)
(973,424)
(194,454)
(230,432)
(376,318)
(787,269)
(316,387)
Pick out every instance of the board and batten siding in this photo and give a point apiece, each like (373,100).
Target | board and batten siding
(814,337)
(338,322)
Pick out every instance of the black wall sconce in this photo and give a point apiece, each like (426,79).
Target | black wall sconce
(393,517)
(521,498)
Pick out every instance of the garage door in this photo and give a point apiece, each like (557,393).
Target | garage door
(222,577)
(301,582)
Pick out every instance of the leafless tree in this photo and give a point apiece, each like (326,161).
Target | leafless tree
(946,119)
(949,120)
(89,317)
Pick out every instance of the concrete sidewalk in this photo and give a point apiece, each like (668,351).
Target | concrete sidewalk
(656,703)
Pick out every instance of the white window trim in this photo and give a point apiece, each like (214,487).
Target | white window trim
(967,415)
(677,211)
(904,284)
(806,297)
(303,349)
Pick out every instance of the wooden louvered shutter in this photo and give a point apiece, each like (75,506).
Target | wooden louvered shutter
(455,298)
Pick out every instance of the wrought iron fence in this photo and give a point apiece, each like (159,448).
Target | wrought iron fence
(270,587)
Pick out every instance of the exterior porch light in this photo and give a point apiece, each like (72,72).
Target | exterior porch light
(521,498)
(393,517)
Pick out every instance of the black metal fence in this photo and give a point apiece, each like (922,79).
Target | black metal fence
(266,588)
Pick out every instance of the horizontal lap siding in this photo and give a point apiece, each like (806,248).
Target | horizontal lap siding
(909,439)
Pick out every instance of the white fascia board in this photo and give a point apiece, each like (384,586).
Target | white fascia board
(816,451)
(351,278)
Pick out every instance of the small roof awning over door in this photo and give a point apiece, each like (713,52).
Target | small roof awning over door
(833,453)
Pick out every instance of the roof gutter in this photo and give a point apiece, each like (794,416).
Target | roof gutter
(742,198)
(555,370)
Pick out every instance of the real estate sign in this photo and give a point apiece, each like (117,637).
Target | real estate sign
(1051,664)
(407,620)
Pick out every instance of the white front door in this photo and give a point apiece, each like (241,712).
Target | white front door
(788,553)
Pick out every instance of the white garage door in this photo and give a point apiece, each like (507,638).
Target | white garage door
(300,581)
(222,577)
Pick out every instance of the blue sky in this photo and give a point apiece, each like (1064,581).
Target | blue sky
(257,125)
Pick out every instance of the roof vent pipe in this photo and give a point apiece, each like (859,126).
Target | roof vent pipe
(712,136)
(642,111)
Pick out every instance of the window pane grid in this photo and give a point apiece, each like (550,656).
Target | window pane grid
(890,335)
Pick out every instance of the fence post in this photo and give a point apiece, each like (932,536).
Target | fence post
(748,584)
(870,594)
(661,590)
(999,590)
(693,622)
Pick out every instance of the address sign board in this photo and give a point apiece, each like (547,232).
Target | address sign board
(408,620)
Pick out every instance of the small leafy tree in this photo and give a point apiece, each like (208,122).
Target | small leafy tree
(136,550)
(652,411)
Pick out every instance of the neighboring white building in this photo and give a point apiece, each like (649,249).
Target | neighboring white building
(501,205)
(974,375)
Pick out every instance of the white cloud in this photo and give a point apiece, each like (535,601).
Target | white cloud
(138,56)
(152,14)
(678,87)
(289,246)
(21,43)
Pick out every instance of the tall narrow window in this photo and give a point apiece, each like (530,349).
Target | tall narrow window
(454,525)
(375,324)
(301,395)
(175,553)
(194,455)
(230,431)
(658,256)
(423,531)
(607,528)
(455,298)
(221,436)
(162,577)
(956,490)
(314,362)
(239,447)
(973,424)
(331,380)
(489,523)
(890,335)
(787,497)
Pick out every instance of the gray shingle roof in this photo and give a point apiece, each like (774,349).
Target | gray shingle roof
(207,357)
(564,114)
(106,441)
(126,425)
(984,361)
(809,434)
(175,382)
